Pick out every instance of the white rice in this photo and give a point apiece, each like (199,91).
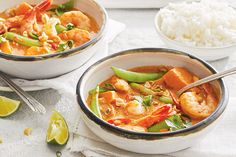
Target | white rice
(208,23)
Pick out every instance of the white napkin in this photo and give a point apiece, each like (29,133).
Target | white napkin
(220,142)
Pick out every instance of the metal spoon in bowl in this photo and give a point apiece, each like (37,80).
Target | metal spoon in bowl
(28,99)
(207,79)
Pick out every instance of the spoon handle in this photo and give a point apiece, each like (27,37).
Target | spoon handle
(28,99)
(208,79)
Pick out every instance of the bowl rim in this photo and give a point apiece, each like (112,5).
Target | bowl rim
(79,49)
(149,135)
(157,28)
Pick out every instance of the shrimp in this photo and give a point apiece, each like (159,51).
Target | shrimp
(29,22)
(198,106)
(79,36)
(158,115)
(26,22)
(77,18)
(135,108)
(120,84)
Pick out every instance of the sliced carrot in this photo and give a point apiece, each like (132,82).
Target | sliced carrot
(5,47)
(177,78)
(164,130)
(109,96)
(35,50)
(22,8)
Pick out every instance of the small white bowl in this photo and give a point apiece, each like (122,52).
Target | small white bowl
(206,53)
(148,143)
(52,65)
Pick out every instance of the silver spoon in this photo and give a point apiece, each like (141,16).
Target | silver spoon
(207,79)
(28,99)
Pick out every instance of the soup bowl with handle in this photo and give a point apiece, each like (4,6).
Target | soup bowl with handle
(52,65)
(148,142)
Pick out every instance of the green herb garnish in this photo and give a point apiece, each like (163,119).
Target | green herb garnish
(63,8)
(172,123)
(69,26)
(144,100)
(34,36)
(65,46)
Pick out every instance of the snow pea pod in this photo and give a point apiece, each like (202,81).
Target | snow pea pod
(21,39)
(172,123)
(136,76)
(95,104)
(60,28)
(101,90)
(166,99)
(142,89)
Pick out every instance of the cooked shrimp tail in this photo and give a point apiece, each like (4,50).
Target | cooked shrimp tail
(199,106)
(27,20)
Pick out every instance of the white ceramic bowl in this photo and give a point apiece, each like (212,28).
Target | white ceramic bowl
(148,143)
(206,53)
(52,65)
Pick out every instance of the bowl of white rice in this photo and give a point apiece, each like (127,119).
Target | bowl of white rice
(205,28)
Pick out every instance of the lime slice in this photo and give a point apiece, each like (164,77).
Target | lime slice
(57,132)
(8,106)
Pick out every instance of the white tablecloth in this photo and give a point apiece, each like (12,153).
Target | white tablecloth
(140,32)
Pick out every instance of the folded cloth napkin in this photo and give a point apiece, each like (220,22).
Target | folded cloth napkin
(219,142)
(11,128)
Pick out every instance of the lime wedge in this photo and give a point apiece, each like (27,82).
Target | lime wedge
(57,132)
(8,106)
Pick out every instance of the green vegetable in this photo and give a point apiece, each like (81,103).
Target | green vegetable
(69,26)
(187,120)
(147,100)
(135,76)
(21,39)
(34,36)
(95,104)
(157,127)
(63,7)
(65,46)
(172,123)
(109,86)
(142,89)
(60,28)
(2,39)
(165,99)
(101,90)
